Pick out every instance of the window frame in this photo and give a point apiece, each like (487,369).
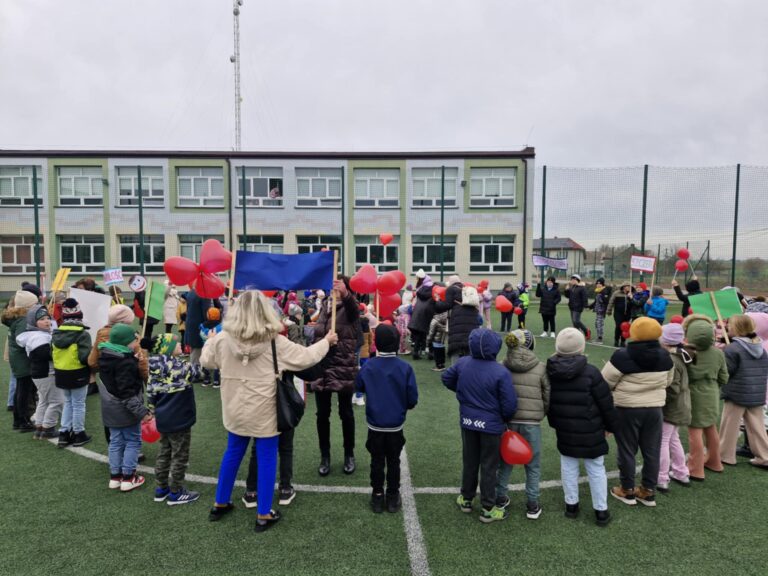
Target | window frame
(499,200)
(432,267)
(501,241)
(452,192)
(252,201)
(23,201)
(195,242)
(369,242)
(27,240)
(92,241)
(220,200)
(92,200)
(387,203)
(151,241)
(149,200)
(306,246)
(312,201)
(251,244)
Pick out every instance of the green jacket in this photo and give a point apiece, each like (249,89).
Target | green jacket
(16,320)
(71,345)
(677,409)
(707,373)
(529,377)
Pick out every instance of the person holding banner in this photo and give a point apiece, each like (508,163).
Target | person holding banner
(693,288)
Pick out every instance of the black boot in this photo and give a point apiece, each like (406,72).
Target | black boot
(602,517)
(393,502)
(377,503)
(349,464)
(571,510)
(325,466)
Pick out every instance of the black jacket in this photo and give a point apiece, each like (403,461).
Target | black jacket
(580,407)
(452,299)
(461,321)
(748,371)
(423,310)
(121,389)
(693,288)
(577,298)
(548,299)
(620,305)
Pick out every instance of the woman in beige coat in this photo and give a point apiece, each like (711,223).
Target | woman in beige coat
(243,354)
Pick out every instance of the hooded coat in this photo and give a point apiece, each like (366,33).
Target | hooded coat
(638,375)
(677,408)
(693,288)
(121,389)
(707,373)
(577,297)
(71,346)
(620,305)
(529,377)
(37,346)
(452,298)
(461,321)
(197,308)
(549,298)
(423,309)
(16,320)
(747,363)
(483,387)
(102,335)
(341,365)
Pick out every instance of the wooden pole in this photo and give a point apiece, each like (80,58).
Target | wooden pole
(232,278)
(333,291)
(719,317)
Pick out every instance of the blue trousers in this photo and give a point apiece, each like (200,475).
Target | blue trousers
(266,456)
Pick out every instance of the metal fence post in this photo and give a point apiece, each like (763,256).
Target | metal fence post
(343,224)
(645,206)
(141,223)
(613,260)
(245,216)
(543,216)
(442,222)
(37,225)
(735,226)
(706,269)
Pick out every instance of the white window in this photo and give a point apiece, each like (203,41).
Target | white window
(16,186)
(267,243)
(17,254)
(200,187)
(492,254)
(493,187)
(426,253)
(190,244)
(263,187)
(318,187)
(368,250)
(427,187)
(307,244)
(152,189)
(377,188)
(82,253)
(80,186)
(154,253)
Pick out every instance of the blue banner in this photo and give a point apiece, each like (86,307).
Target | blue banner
(262,271)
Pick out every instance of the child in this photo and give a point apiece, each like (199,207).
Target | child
(506,317)
(292,323)
(487,400)
(638,376)
(172,400)
(677,410)
(37,343)
(15,318)
(402,318)
(549,297)
(390,386)
(620,305)
(365,354)
(524,301)
(71,346)
(122,406)
(706,375)
(693,288)
(529,377)
(486,301)
(639,298)
(436,339)
(581,411)
(212,325)
(462,320)
(656,306)
(600,307)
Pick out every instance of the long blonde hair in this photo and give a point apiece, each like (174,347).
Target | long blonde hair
(741,325)
(251,318)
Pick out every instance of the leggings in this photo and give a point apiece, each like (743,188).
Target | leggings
(323,401)
(266,454)
(549,322)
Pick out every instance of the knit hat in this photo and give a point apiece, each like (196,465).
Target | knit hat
(213,313)
(420,273)
(600,281)
(70,310)
(520,339)
(33,288)
(576,277)
(644,329)
(24,299)
(643,286)
(409,287)
(570,342)
(120,314)
(122,335)
(163,344)
(453,279)
(672,334)
(37,312)
(470,297)
(387,338)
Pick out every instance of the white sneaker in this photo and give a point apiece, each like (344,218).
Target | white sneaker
(359,400)
(114,483)
(543,335)
(553,335)
(131,483)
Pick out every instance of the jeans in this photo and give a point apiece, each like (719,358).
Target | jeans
(73,415)
(506,321)
(11,390)
(598,481)
(576,321)
(347,416)
(266,454)
(549,322)
(480,453)
(672,455)
(285,452)
(23,406)
(124,448)
(385,449)
(50,401)
(639,428)
(532,433)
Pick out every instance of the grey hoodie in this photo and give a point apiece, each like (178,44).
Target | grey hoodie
(747,363)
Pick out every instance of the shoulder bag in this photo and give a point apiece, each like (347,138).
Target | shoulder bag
(290,405)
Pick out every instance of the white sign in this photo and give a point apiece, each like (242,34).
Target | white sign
(95,309)
(113,276)
(643,263)
(139,284)
(556,263)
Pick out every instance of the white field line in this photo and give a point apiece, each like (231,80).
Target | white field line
(417,550)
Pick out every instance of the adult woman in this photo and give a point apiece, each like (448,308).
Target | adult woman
(339,374)
(549,298)
(423,311)
(243,354)
(170,305)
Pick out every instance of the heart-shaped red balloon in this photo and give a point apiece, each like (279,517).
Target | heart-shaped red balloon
(400,278)
(364,280)
(503,304)
(386,238)
(438,293)
(209,286)
(388,303)
(214,257)
(515,449)
(390,283)
(517,311)
(180,271)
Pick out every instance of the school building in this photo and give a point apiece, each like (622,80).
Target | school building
(88,213)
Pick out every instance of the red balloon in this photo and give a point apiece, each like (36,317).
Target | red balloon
(515,449)
(681,265)
(624,326)
(389,283)
(438,293)
(400,278)
(517,311)
(503,305)
(388,303)
(364,280)
(209,286)
(180,271)
(269,293)
(683,253)
(690,310)
(386,238)
(214,257)
(149,431)
(677,319)
(625,334)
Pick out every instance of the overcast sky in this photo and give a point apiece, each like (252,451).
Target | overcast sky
(588,83)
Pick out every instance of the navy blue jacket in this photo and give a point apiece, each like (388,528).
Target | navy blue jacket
(390,388)
(197,308)
(487,399)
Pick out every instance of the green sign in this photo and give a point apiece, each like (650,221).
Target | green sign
(727,301)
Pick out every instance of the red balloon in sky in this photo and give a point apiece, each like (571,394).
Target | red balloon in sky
(683,253)
(389,283)
(388,303)
(214,257)
(209,286)
(385,238)
(364,280)
(681,265)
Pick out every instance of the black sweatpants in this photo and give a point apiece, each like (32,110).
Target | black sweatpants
(24,402)
(506,321)
(480,453)
(418,343)
(385,448)
(439,354)
(285,452)
(549,322)
(347,415)
(639,427)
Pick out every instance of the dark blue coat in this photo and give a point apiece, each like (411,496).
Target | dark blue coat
(197,308)
(390,388)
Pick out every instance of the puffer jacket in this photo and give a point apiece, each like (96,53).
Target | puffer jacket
(747,364)
(620,305)
(423,309)
(437,329)
(707,373)
(677,408)
(197,308)
(16,320)
(121,389)
(548,298)
(71,346)
(461,321)
(102,335)
(248,389)
(529,376)
(602,298)
(656,308)
(638,375)
(577,297)
(580,407)
(483,387)
(340,365)
(37,345)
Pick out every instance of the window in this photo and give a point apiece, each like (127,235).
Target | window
(368,250)
(200,187)
(190,244)
(82,253)
(492,254)
(154,252)
(80,186)
(263,187)
(307,244)
(16,186)
(493,187)
(268,244)
(426,253)
(152,189)
(427,184)
(377,188)
(17,254)
(318,187)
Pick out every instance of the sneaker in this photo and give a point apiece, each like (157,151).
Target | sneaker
(183,496)
(599,341)
(361,401)
(645,496)
(437,369)
(80,439)
(48,433)
(131,482)
(377,503)
(115,481)
(543,334)
(205,384)
(24,428)
(602,518)
(552,335)
(663,488)
(464,504)
(572,510)
(264,523)
(65,438)
(532,510)
(249,499)
(502,501)
(161,494)
(38,433)
(216,386)
(685,482)
(217,512)
(286,496)
(393,503)
(626,496)
(495,514)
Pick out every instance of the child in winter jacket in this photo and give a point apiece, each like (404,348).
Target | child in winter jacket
(486,301)
(600,307)
(436,339)
(15,318)
(677,410)
(656,305)
(693,288)
(581,411)
(529,377)
(524,300)
(462,320)
(402,318)
(487,400)
(211,326)
(506,317)
(577,302)
(620,305)
(639,298)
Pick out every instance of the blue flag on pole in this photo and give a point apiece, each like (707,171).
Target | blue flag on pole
(262,271)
